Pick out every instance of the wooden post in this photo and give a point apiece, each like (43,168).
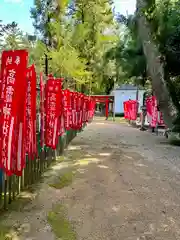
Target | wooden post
(5,191)
(107,108)
(143,118)
(113,110)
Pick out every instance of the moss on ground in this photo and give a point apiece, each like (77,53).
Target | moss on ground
(118,119)
(4,233)
(60,224)
(60,159)
(64,180)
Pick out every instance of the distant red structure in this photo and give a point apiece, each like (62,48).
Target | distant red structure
(104,99)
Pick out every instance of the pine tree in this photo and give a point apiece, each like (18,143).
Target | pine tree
(12,36)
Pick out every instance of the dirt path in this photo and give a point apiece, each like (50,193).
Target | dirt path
(127,187)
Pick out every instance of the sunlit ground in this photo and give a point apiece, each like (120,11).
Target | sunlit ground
(111,119)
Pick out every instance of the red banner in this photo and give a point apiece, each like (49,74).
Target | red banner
(66,108)
(130,109)
(31,147)
(92,109)
(86,110)
(81,110)
(42,109)
(74,118)
(12,119)
(149,109)
(77,110)
(125,110)
(160,119)
(53,111)
(154,112)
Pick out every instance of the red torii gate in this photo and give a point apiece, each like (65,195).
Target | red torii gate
(104,99)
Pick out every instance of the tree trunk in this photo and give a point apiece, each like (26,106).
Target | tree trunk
(154,65)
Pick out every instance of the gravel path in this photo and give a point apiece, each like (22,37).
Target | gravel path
(127,187)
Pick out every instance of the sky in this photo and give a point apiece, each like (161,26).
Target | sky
(19,11)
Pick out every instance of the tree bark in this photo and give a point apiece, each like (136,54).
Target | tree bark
(154,65)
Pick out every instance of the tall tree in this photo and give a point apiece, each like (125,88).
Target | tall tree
(12,36)
(55,29)
(40,14)
(92,21)
(79,35)
(43,13)
(154,64)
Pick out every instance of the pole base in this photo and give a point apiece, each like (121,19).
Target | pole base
(142,129)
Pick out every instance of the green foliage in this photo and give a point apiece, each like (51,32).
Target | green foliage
(4,233)
(164,20)
(76,44)
(128,54)
(60,224)
(92,20)
(40,13)
(13,37)
(76,36)
(37,52)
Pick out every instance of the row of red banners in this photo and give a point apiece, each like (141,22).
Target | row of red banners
(60,110)
(130,109)
(154,116)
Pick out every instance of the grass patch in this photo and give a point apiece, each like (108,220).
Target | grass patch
(60,158)
(118,119)
(64,180)
(86,161)
(61,227)
(73,156)
(4,233)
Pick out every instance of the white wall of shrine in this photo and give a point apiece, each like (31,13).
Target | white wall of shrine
(124,93)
